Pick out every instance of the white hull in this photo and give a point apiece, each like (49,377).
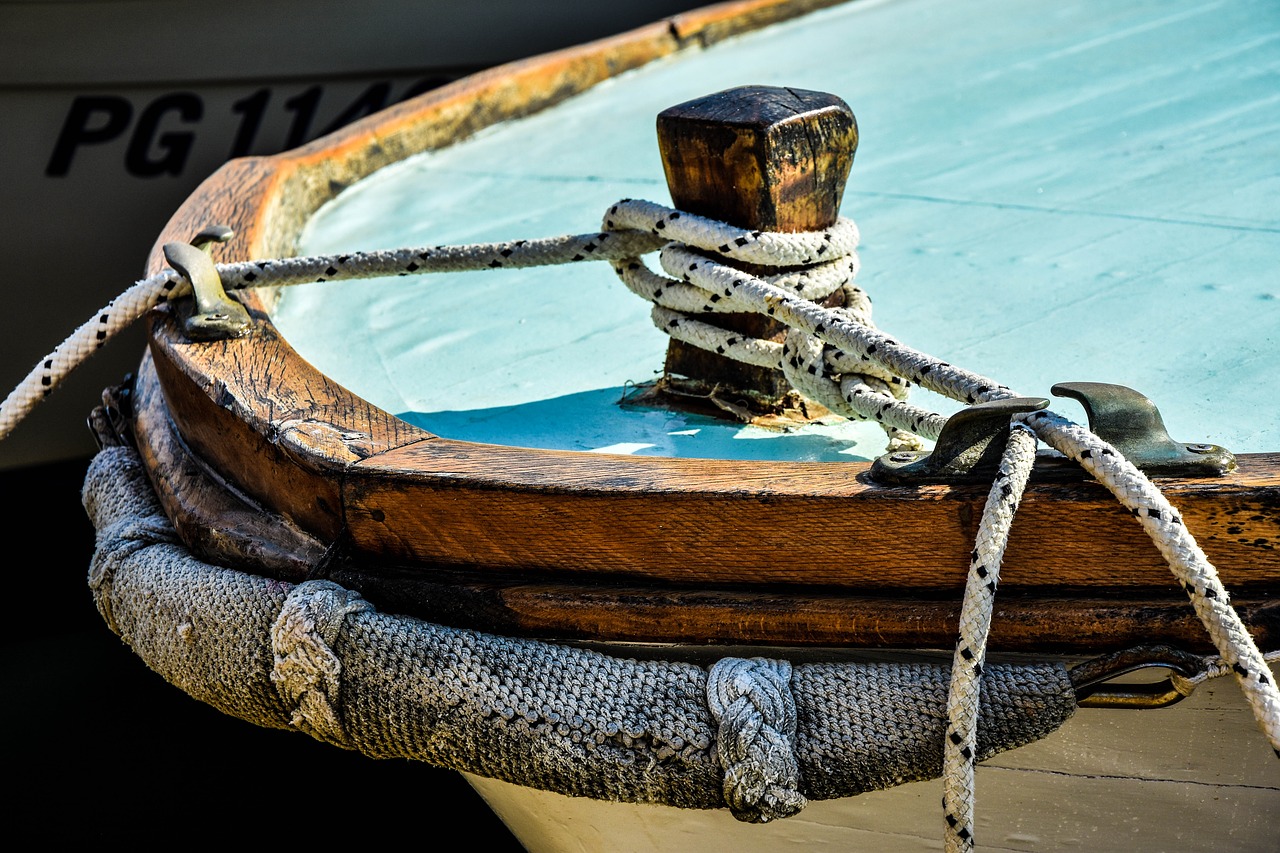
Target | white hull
(1197,776)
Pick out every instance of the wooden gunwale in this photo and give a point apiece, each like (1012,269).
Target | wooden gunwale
(328,467)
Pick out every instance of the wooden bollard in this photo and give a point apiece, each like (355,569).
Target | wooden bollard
(764,158)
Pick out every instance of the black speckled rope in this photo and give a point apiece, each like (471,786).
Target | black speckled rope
(144,295)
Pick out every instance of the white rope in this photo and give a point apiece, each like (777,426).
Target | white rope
(834,355)
(146,294)
(960,749)
(855,344)
(1189,564)
(1214,667)
(803,362)
(829,358)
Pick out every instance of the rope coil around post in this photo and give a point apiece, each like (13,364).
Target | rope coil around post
(1188,563)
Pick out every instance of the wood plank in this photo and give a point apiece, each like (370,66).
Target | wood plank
(292,439)
(795,617)
(684,520)
(223,526)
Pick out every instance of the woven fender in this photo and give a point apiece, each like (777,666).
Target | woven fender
(318,658)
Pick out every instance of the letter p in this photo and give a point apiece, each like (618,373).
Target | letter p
(92,119)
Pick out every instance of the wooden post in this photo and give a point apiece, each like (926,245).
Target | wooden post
(758,157)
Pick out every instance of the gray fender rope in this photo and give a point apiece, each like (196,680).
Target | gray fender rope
(317,658)
(755,717)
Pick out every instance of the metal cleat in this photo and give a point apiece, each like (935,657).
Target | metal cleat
(1131,424)
(216,316)
(968,449)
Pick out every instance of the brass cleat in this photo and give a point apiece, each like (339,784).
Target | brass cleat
(1131,424)
(968,448)
(216,316)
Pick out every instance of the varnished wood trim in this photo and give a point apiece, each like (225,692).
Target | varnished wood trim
(306,448)
(1049,625)
(720,521)
(223,526)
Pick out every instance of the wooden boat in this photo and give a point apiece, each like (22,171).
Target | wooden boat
(268,466)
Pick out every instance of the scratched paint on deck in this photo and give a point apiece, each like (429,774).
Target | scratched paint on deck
(1081,191)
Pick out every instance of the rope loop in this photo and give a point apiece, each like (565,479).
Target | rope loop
(767,248)
(752,704)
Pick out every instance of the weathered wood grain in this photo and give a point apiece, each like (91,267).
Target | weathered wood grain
(297,445)
(303,445)
(758,157)
(224,526)
(268,422)
(218,524)
(722,521)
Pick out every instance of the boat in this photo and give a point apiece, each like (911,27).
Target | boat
(831,551)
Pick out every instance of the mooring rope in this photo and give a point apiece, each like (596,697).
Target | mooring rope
(1213,667)
(1189,564)
(834,356)
(960,749)
(167,284)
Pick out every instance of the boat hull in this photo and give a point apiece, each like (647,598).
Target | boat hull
(1104,781)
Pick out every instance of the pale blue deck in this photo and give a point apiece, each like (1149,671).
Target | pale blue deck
(1076,191)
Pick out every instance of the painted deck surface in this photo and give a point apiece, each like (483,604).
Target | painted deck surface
(1077,193)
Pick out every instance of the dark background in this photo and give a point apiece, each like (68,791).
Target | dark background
(98,747)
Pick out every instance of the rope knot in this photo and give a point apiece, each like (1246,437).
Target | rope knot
(827,356)
(752,704)
(306,670)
